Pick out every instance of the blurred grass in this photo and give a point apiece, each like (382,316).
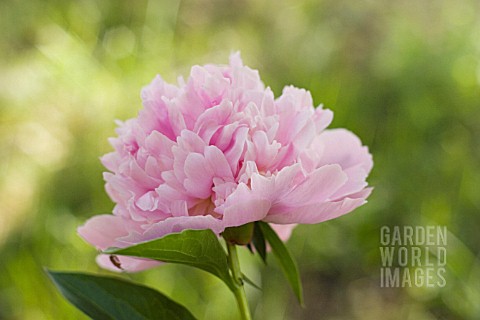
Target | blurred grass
(404,76)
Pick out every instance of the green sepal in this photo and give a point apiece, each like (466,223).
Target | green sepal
(285,259)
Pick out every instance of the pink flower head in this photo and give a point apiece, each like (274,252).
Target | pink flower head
(220,151)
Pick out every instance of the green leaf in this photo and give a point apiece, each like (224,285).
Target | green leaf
(259,242)
(285,258)
(250,282)
(112,298)
(196,248)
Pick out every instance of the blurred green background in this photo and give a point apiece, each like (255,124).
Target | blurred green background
(403,75)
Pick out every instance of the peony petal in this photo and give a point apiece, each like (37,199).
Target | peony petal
(343,147)
(148,202)
(243,206)
(322,118)
(210,85)
(157,144)
(295,97)
(236,60)
(275,187)
(265,152)
(199,180)
(355,183)
(218,163)
(318,186)
(213,119)
(316,213)
(103,230)
(179,208)
(127,264)
(236,149)
(175,117)
(176,224)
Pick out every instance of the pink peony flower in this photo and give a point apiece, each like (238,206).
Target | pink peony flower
(219,151)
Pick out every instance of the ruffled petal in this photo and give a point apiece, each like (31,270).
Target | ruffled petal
(103,230)
(123,263)
(243,206)
(317,212)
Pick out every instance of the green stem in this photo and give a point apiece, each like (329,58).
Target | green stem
(237,277)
